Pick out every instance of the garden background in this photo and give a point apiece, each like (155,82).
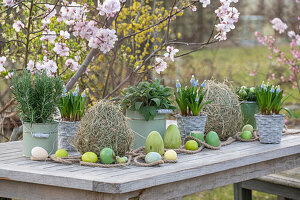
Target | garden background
(241,59)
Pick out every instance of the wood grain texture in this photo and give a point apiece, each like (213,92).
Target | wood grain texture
(233,163)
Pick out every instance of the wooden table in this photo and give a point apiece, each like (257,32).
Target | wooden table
(22,178)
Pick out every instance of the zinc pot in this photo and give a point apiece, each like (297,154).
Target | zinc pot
(142,128)
(249,109)
(39,134)
(186,124)
(269,128)
(67,134)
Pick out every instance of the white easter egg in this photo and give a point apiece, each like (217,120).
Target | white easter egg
(39,152)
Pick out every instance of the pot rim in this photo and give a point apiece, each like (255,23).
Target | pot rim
(274,115)
(190,116)
(250,102)
(47,123)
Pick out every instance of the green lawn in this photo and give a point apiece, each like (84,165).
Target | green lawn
(226,193)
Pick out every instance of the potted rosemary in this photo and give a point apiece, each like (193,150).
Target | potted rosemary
(37,96)
(190,103)
(71,107)
(249,106)
(146,107)
(270,122)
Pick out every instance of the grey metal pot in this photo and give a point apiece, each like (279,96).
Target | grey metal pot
(67,134)
(186,124)
(269,128)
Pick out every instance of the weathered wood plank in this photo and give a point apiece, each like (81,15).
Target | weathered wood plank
(210,181)
(37,192)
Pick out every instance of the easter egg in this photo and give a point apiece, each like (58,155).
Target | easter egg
(39,152)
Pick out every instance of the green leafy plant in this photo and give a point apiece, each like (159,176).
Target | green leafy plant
(147,98)
(37,95)
(72,105)
(247,94)
(190,99)
(270,100)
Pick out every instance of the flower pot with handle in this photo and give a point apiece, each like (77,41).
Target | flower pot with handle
(269,128)
(39,134)
(142,128)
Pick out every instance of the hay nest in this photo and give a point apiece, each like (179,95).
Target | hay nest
(104,125)
(224,114)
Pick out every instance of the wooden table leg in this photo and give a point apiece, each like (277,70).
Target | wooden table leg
(241,193)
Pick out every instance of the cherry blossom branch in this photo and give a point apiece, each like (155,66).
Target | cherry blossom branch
(28,34)
(12,7)
(133,72)
(12,41)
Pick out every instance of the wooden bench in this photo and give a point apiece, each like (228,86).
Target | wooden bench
(285,184)
(22,178)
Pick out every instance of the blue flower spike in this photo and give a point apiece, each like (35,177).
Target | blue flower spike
(83,94)
(277,89)
(178,85)
(272,89)
(193,81)
(263,85)
(203,84)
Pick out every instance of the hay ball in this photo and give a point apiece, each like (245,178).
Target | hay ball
(104,125)
(224,114)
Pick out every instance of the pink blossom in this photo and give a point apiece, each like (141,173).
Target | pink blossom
(282,78)
(160,65)
(73,65)
(61,49)
(2,62)
(48,36)
(65,34)
(193,8)
(227,17)
(30,66)
(9,3)
(278,25)
(291,34)
(18,25)
(9,75)
(171,52)
(104,39)
(72,14)
(50,66)
(109,8)
(253,73)
(204,2)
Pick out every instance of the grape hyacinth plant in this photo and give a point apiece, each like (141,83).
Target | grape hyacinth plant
(190,99)
(270,100)
(72,105)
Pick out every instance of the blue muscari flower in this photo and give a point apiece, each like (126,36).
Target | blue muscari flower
(203,84)
(277,89)
(63,95)
(83,94)
(263,85)
(193,81)
(196,84)
(77,88)
(272,90)
(75,94)
(65,90)
(178,85)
